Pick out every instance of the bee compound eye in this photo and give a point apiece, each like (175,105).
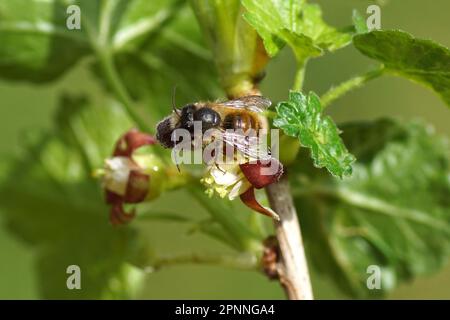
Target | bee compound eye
(208,117)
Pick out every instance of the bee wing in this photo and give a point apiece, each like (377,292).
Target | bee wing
(248,145)
(253,103)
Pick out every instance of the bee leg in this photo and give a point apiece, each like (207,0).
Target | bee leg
(177,164)
(219,168)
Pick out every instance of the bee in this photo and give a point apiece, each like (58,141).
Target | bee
(237,123)
(233,119)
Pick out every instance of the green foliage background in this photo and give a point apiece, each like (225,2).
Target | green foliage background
(25,107)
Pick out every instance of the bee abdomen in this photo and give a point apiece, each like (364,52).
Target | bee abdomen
(243,121)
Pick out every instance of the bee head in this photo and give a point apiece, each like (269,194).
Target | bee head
(187,117)
(164,131)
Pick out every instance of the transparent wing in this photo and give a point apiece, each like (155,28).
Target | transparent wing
(253,103)
(248,145)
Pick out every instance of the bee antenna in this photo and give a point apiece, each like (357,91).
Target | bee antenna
(174,108)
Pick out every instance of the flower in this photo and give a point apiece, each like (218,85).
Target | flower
(227,180)
(241,179)
(126,176)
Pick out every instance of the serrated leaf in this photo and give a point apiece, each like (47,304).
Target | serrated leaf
(294,23)
(393,213)
(301,116)
(424,61)
(50,200)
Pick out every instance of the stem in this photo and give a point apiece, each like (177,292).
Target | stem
(101,44)
(238,81)
(293,269)
(353,83)
(106,13)
(244,261)
(299,77)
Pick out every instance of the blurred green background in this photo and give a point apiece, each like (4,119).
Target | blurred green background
(26,107)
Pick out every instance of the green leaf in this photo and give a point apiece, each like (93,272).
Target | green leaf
(424,61)
(50,200)
(294,23)
(174,57)
(323,35)
(394,212)
(123,24)
(301,116)
(136,20)
(37,46)
(359,22)
(35,42)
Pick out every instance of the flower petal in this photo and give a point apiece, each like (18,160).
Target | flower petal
(116,174)
(262,174)
(248,198)
(239,188)
(224,177)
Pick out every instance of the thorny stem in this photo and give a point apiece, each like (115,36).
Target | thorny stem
(353,83)
(293,269)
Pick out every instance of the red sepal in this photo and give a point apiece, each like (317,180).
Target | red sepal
(249,199)
(118,215)
(131,141)
(137,187)
(257,177)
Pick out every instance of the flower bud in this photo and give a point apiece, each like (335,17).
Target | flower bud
(132,175)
